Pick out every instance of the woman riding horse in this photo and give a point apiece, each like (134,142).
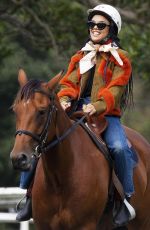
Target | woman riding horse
(99,77)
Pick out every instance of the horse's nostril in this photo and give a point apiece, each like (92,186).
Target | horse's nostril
(21,162)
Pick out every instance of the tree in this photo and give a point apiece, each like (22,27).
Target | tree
(40,36)
(54,25)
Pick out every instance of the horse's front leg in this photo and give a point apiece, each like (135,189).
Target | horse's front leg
(42,226)
(88,226)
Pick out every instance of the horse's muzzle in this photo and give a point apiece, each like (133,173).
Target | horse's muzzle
(21,162)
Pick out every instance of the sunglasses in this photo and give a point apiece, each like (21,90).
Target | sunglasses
(100,25)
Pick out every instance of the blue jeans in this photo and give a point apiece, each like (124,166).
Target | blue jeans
(83,101)
(124,157)
(26,177)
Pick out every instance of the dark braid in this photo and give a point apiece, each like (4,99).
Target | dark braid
(113,32)
(127,97)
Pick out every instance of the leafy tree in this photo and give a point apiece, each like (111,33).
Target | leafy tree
(40,36)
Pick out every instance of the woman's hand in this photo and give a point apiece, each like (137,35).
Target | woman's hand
(65,104)
(89,108)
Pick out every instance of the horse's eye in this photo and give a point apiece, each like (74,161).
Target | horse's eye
(42,112)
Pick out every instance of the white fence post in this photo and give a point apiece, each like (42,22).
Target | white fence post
(9,197)
(24,225)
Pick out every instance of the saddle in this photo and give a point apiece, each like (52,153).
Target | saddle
(96,124)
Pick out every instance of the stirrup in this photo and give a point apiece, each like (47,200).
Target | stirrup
(123,214)
(130,209)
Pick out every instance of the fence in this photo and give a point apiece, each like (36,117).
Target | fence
(9,197)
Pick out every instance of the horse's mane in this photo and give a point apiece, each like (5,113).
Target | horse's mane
(28,90)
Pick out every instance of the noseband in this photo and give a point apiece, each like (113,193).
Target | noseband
(43,146)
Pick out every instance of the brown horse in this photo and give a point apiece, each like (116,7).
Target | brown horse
(70,189)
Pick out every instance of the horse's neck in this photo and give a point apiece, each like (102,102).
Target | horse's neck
(63,123)
(58,160)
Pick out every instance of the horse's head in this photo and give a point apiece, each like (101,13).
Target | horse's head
(33,107)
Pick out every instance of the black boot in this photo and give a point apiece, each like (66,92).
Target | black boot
(26,212)
(124,213)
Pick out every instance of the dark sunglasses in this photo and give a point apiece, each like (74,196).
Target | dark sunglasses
(100,25)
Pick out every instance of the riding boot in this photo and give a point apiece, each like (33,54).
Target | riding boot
(26,182)
(26,212)
(124,214)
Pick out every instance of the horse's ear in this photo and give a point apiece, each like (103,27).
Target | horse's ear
(52,84)
(22,77)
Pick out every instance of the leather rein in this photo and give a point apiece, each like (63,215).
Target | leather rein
(41,138)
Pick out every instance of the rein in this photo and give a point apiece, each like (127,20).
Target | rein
(43,146)
(61,138)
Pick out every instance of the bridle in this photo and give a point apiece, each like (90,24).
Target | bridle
(41,138)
